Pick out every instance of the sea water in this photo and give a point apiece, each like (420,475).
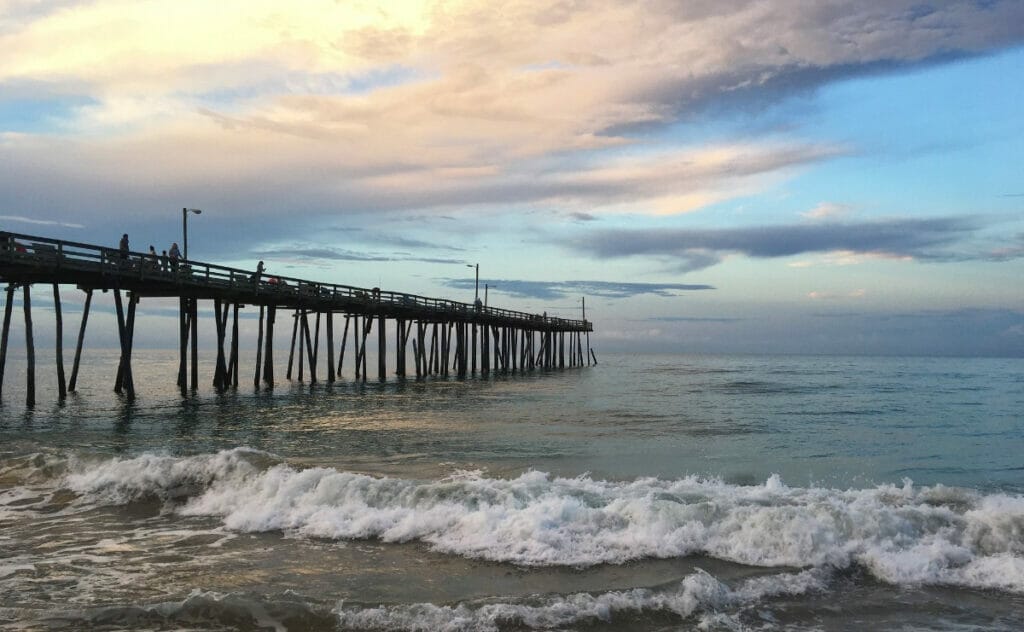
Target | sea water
(650,492)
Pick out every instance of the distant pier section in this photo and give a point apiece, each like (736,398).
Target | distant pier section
(441,337)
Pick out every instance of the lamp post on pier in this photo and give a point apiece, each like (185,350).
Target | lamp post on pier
(476,292)
(184,226)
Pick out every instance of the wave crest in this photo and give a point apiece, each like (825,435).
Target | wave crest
(901,534)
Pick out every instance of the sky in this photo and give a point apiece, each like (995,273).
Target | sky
(708,176)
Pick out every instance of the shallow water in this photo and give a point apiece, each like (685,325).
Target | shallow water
(646,493)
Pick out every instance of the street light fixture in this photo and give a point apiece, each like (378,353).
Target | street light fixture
(184,226)
(476,292)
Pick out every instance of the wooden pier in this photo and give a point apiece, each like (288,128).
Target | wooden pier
(447,337)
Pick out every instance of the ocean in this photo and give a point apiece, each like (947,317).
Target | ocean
(647,493)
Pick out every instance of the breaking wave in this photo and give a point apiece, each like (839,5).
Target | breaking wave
(902,534)
(698,596)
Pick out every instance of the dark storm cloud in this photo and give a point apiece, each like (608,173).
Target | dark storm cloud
(700,248)
(562,289)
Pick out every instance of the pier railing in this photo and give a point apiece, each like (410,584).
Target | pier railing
(42,256)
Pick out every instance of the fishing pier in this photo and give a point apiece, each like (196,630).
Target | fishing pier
(447,337)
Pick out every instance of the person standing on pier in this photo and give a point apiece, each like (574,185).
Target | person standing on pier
(123,247)
(174,254)
(259,272)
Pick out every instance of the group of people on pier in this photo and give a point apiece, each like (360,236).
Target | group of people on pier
(166,262)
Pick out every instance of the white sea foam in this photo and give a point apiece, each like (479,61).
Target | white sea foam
(901,534)
(698,594)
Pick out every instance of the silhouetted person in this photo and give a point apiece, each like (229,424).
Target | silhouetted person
(259,272)
(163,261)
(174,255)
(123,247)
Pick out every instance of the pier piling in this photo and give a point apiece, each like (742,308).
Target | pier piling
(449,338)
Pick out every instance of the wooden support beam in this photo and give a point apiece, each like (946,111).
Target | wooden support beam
(8,307)
(310,351)
(446,332)
(195,343)
(417,346)
(62,389)
(315,362)
(504,350)
(455,340)
(128,379)
(30,349)
(330,347)
(259,349)
(183,343)
(464,368)
(302,340)
(121,336)
(513,334)
(291,351)
(460,349)
(367,327)
(405,343)
(485,352)
(268,347)
(497,348)
(399,347)
(344,339)
(472,352)
(382,351)
(224,313)
(355,347)
(233,363)
(442,345)
(432,362)
(221,365)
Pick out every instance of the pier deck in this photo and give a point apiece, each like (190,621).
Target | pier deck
(28,259)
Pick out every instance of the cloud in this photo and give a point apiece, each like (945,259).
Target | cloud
(562,289)
(817,295)
(40,222)
(693,319)
(339,254)
(827,210)
(328,108)
(693,249)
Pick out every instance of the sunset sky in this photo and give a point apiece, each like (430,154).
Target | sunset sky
(712,175)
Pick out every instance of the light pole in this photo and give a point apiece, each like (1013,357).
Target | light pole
(476,292)
(485,294)
(184,226)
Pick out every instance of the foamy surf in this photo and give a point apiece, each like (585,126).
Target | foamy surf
(699,595)
(902,534)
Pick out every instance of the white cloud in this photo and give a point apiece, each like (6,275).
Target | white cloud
(854,294)
(362,105)
(827,210)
